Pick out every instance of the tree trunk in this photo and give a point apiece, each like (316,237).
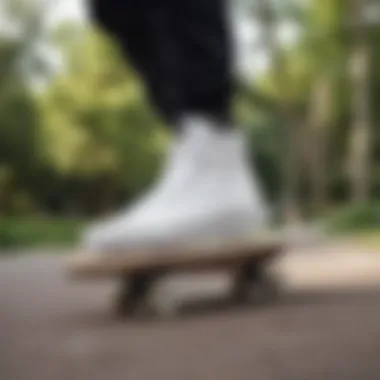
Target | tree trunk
(291,170)
(315,149)
(359,160)
(290,159)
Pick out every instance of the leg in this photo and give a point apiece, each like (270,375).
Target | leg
(182,48)
(204,44)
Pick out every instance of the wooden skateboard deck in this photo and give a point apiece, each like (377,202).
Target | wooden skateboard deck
(139,271)
(84,265)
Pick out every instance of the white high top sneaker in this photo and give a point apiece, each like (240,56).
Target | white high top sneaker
(212,197)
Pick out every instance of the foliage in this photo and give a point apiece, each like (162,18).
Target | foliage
(24,232)
(312,81)
(95,120)
(355,217)
(89,140)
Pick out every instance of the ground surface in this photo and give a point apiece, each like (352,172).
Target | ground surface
(327,326)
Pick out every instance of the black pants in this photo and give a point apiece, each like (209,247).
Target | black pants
(181,48)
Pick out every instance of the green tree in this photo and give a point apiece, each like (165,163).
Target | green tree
(308,87)
(96,123)
(18,118)
(360,165)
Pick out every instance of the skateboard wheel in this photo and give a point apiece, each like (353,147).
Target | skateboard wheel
(255,284)
(165,305)
(265,290)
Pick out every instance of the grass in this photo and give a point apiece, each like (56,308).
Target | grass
(359,223)
(36,232)
(369,239)
(355,218)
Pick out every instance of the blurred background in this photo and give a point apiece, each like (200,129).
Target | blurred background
(78,138)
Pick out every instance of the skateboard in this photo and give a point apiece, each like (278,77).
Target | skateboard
(140,272)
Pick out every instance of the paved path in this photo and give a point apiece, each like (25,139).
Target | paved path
(327,326)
